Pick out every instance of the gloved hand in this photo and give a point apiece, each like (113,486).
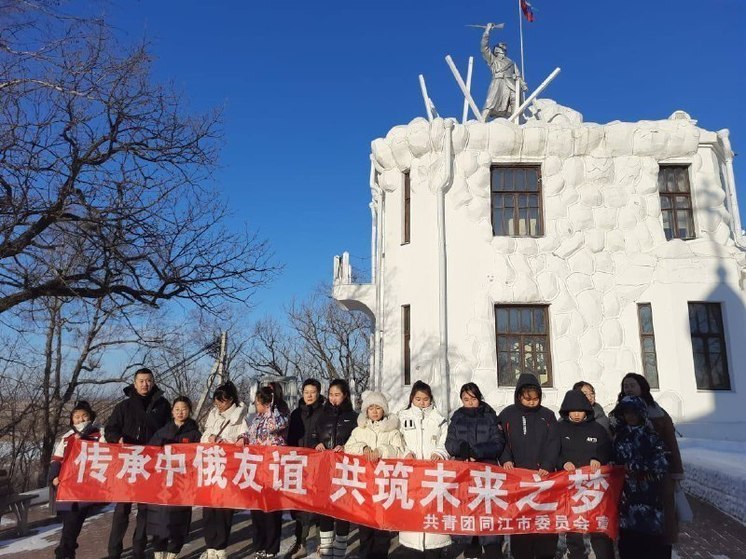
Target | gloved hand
(464,451)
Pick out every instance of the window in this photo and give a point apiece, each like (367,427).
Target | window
(708,346)
(516,201)
(522,343)
(406,351)
(676,202)
(406,210)
(647,344)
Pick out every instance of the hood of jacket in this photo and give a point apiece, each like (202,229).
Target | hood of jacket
(526,379)
(388,423)
(575,400)
(634,403)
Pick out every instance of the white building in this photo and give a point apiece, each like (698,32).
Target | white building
(572,250)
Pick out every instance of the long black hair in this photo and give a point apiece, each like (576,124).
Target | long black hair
(279,399)
(226,392)
(265,395)
(420,386)
(644,388)
(472,389)
(343,386)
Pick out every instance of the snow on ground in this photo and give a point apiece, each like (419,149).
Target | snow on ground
(716,472)
(42,538)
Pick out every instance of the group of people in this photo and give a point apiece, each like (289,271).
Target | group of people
(638,434)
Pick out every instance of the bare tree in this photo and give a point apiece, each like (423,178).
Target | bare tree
(103,175)
(273,349)
(332,342)
(77,337)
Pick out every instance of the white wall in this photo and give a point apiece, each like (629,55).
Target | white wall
(604,250)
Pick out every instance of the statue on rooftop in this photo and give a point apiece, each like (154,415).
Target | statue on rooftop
(501,96)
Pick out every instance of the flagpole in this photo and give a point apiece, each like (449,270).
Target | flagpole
(520,29)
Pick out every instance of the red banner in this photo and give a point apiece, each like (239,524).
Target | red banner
(399,495)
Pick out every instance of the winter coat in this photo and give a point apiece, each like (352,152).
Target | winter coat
(167,521)
(424,432)
(383,436)
(268,429)
(334,426)
(228,426)
(137,418)
(475,433)
(600,416)
(303,421)
(664,427)
(642,453)
(531,439)
(89,433)
(173,434)
(584,441)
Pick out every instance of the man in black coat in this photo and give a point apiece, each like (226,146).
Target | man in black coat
(134,421)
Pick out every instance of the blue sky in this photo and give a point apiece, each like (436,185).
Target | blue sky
(307,85)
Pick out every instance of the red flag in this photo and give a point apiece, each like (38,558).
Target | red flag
(527,10)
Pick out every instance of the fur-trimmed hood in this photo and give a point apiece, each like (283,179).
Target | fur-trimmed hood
(388,423)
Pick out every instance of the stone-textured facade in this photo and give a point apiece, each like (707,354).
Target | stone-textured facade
(603,251)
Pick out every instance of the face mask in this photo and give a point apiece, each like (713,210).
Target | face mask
(80,426)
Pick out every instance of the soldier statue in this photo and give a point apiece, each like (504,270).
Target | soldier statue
(501,97)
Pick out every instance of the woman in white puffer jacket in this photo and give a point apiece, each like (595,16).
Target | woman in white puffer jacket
(225,423)
(424,430)
(376,436)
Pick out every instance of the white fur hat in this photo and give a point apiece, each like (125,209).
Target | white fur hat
(372,398)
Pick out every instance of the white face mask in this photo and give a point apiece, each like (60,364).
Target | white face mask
(80,426)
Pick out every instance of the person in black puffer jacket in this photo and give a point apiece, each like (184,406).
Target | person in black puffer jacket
(583,442)
(169,526)
(531,442)
(335,424)
(302,424)
(474,435)
(134,421)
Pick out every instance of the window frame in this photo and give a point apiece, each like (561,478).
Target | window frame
(673,211)
(654,384)
(721,337)
(547,342)
(406,338)
(406,229)
(539,193)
